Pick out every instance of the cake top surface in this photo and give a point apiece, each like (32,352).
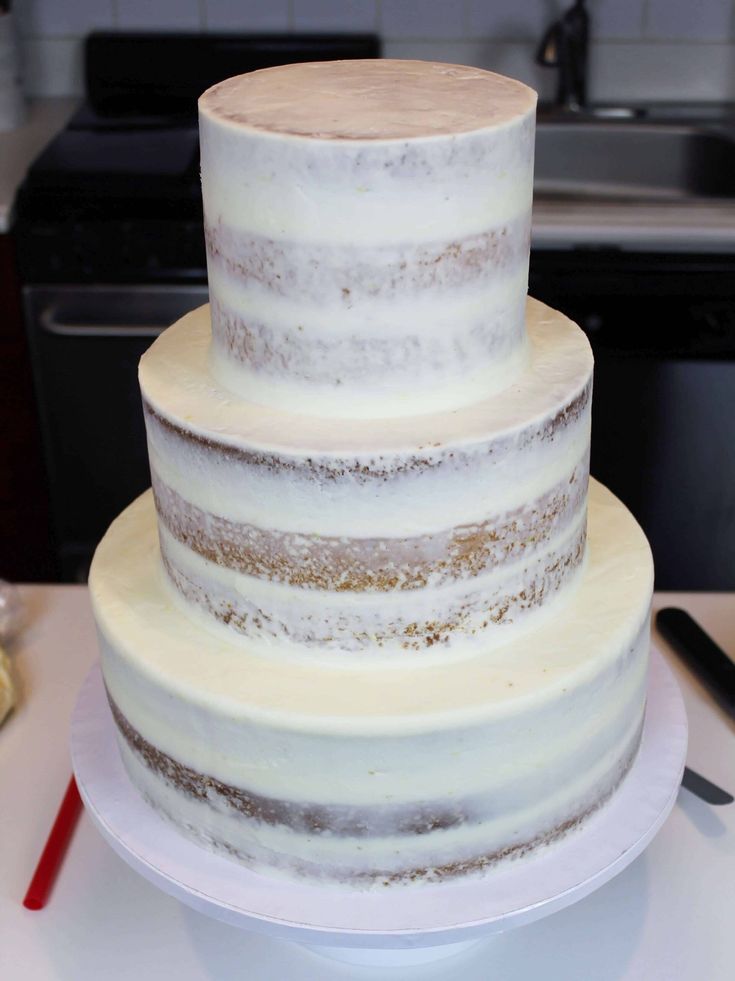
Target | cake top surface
(368,100)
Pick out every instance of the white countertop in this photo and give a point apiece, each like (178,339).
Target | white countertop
(665,918)
(19,148)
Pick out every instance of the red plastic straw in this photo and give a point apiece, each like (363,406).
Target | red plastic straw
(53,854)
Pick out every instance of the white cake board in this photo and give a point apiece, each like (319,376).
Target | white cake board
(403,924)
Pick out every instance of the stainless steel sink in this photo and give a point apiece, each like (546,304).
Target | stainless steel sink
(633,160)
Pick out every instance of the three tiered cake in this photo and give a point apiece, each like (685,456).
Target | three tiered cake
(373,623)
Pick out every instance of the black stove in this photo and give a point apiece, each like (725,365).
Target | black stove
(110,244)
(115,197)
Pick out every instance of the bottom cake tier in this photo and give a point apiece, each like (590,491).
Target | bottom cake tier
(382,772)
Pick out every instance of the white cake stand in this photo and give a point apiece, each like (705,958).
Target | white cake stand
(401,925)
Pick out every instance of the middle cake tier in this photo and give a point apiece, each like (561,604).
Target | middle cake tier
(377,537)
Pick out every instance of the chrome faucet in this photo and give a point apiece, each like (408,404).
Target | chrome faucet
(564,46)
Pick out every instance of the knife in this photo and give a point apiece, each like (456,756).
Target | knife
(709,792)
(697,649)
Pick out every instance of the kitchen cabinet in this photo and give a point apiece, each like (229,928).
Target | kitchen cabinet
(662,328)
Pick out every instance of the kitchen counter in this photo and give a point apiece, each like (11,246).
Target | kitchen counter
(693,225)
(19,147)
(665,918)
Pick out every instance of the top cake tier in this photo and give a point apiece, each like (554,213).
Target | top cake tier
(367,229)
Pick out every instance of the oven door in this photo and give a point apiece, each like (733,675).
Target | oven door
(85,344)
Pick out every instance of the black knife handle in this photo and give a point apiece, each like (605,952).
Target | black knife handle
(701,654)
(707,791)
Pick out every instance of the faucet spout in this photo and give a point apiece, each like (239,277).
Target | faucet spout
(564,46)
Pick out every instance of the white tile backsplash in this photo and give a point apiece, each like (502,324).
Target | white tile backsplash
(524,20)
(335,15)
(696,20)
(62,18)
(616,20)
(528,19)
(442,19)
(158,15)
(662,72)
(641,49)
(246,15)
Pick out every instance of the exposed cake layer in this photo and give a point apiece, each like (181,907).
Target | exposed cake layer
(374,261)
(377,772)
(375,564)
(451,528)
(480,612)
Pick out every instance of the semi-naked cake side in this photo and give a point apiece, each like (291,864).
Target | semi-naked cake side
(450,529)
(373,624)
(367,228)
(385,770)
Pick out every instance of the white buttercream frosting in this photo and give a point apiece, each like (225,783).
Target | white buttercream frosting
(176,380)
(503,462)
(138,615)
(547,714)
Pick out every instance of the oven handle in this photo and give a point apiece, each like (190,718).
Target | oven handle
(49,322)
